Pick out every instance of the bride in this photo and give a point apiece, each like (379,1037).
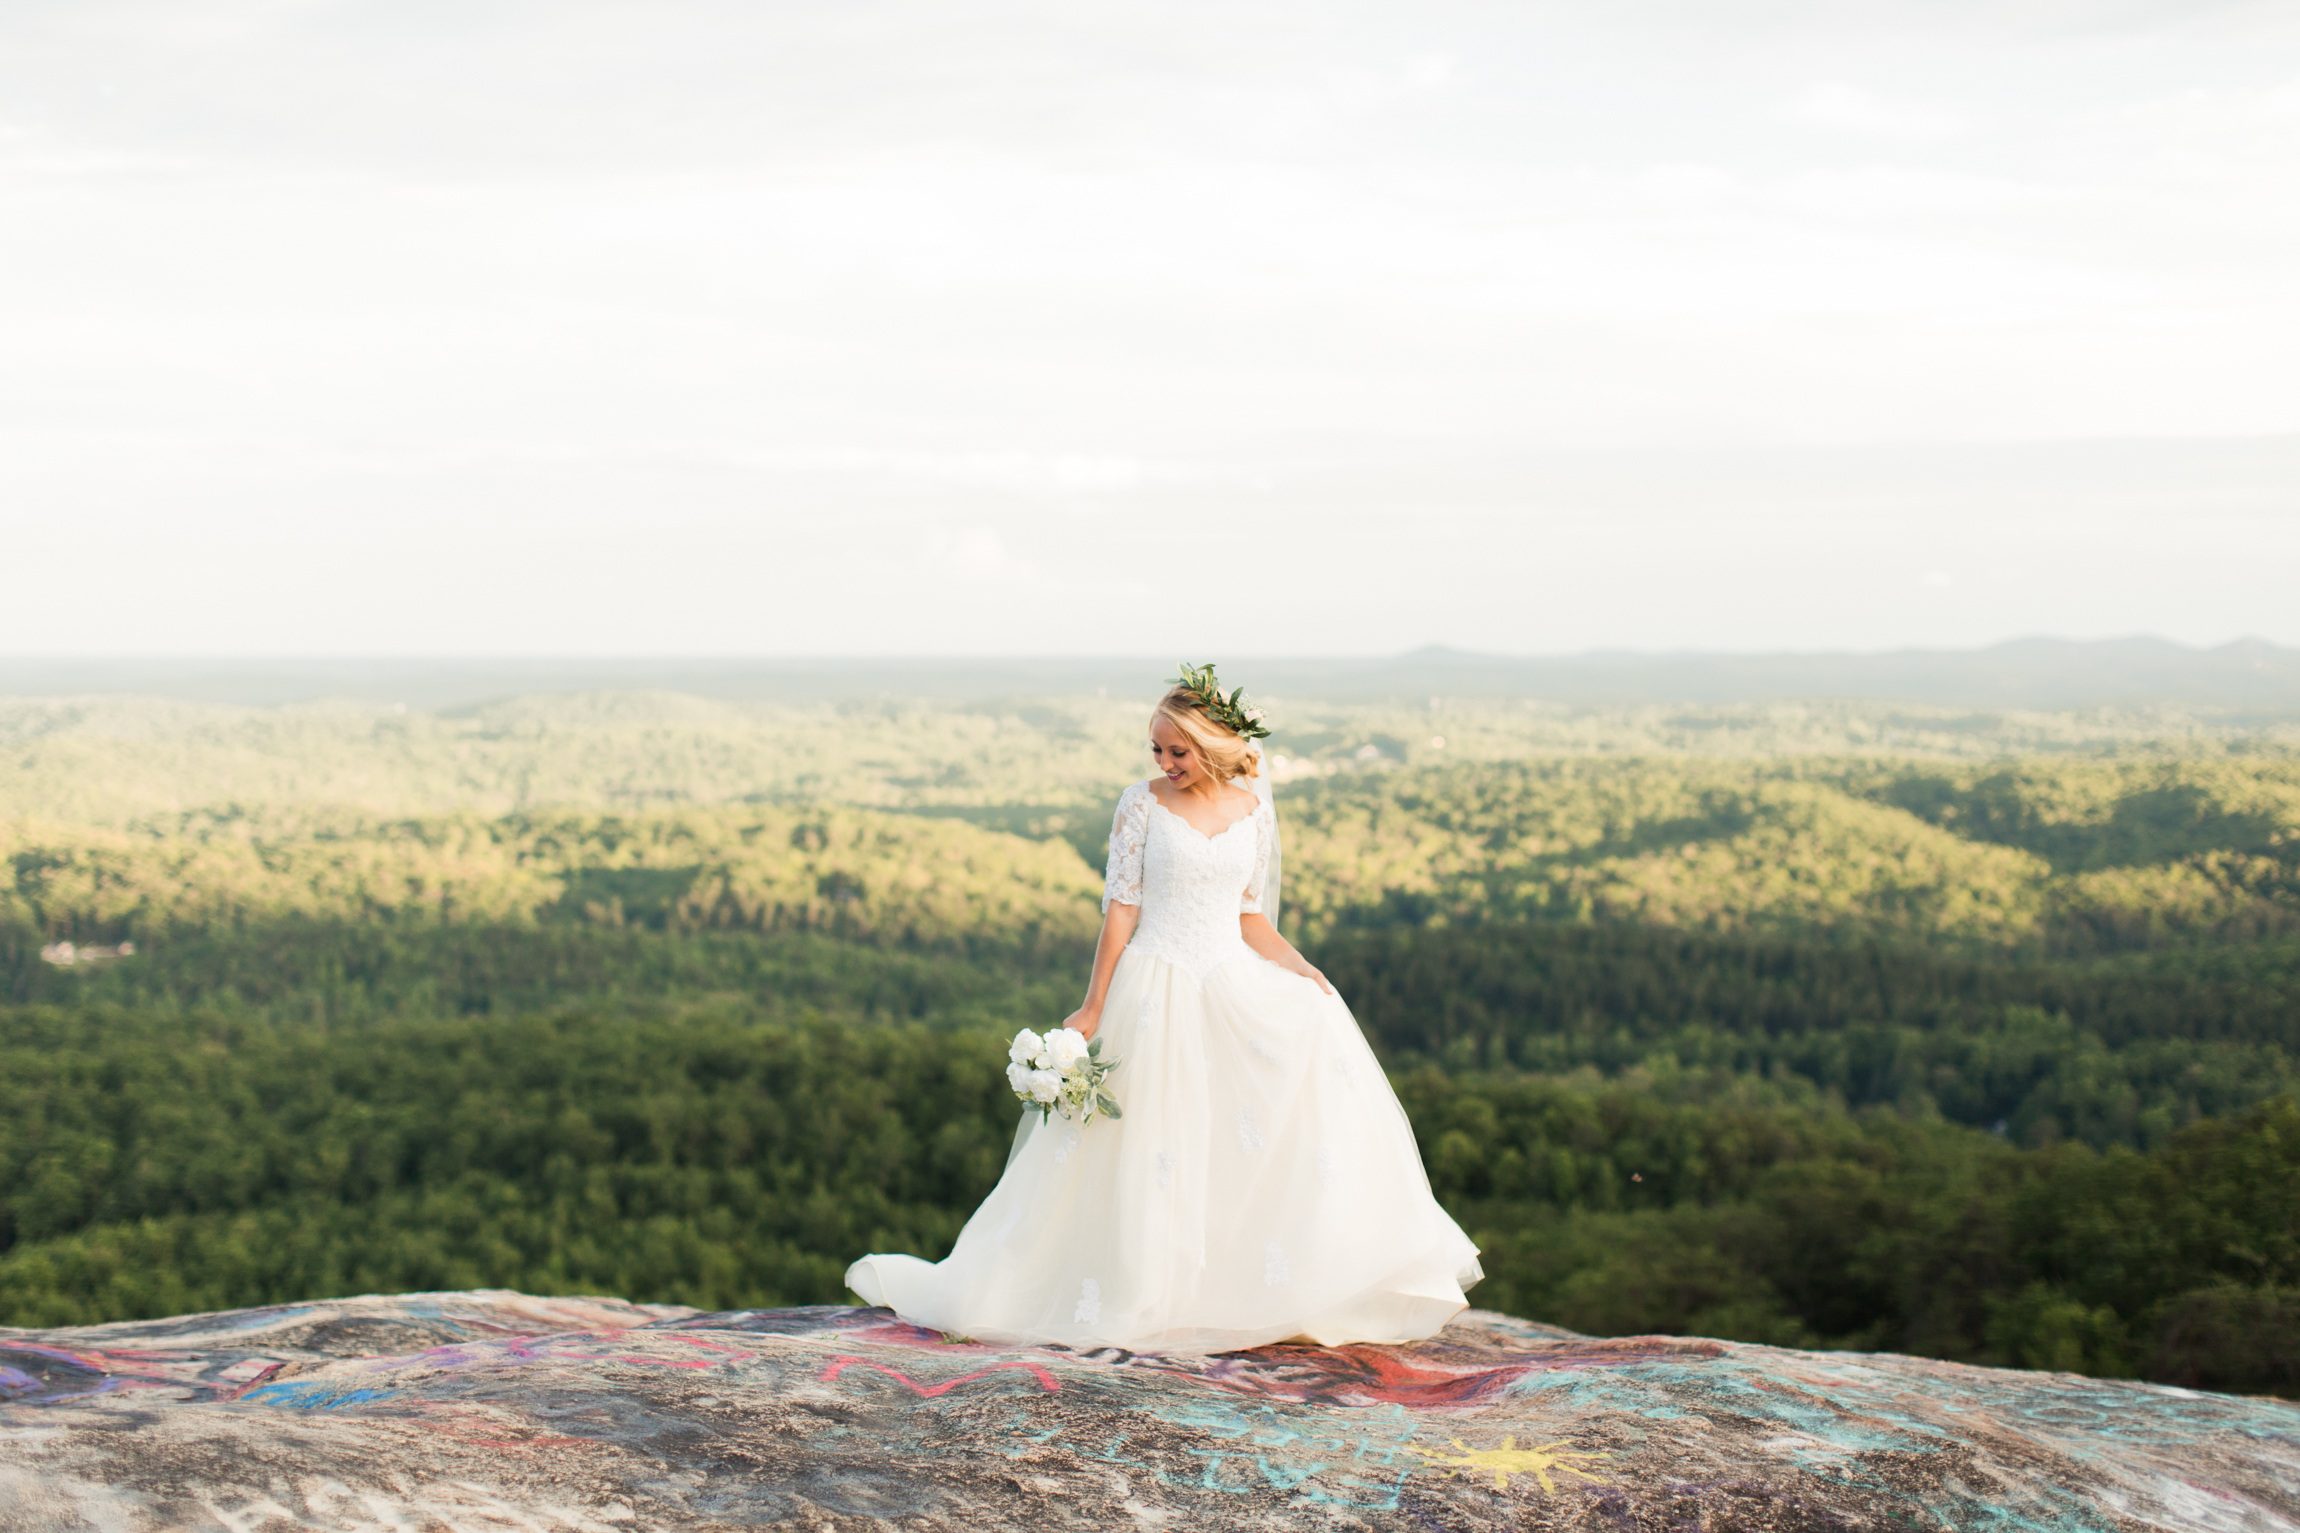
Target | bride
(1263,1183)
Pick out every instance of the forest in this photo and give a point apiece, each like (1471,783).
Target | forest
(1973,1038)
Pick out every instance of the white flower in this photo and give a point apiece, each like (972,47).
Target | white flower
(1025,1047)
(1045,1085)
(1018,1076)
(1066,1047)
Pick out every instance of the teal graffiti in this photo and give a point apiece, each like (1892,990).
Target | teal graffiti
(314,1396)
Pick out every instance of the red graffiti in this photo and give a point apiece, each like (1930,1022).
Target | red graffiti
(1430,1376)
(929,1392)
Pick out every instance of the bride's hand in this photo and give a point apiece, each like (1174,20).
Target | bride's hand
(1084,1022)
(1308,971)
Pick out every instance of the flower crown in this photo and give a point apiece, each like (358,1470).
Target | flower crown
(1229,712)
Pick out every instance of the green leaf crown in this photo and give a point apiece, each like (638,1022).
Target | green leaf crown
(1230,712)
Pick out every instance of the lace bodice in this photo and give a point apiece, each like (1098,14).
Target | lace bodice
(1192,887)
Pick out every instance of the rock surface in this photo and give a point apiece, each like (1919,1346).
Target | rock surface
(493,1411)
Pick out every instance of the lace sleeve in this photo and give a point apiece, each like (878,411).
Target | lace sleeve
(1129,827)
(1265,858)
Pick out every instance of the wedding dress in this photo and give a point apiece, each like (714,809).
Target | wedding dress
(1263,1183)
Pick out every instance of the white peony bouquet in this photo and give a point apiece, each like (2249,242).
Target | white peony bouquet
(1061,1073)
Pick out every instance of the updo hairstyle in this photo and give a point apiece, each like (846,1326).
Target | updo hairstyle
(1227,755)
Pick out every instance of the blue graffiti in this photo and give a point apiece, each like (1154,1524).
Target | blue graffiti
(314,1396)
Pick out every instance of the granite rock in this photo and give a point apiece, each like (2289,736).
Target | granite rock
(496,1411)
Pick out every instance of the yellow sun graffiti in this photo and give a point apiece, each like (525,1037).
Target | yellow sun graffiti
(1509,1459)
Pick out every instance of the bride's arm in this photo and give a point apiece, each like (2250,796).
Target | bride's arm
(1117,930)
(1263,938)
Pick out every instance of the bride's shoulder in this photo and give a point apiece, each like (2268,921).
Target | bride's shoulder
(1135,794)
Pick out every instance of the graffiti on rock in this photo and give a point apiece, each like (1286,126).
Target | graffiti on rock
(484,1409)
(838,1366)
(1508,1459)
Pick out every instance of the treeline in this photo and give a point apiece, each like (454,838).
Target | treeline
(2062,859)
(886,877)
(338,974)
(2122,1051)
(113,760)
(701,1154)
(2068,857)
(1614,1210)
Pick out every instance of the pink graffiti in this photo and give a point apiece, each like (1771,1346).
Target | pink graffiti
(929,1392)
(710,1346)
(901,1333)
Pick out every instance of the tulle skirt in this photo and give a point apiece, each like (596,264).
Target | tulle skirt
(1262,1186)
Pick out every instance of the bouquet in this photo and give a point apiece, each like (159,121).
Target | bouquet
(1061,1073)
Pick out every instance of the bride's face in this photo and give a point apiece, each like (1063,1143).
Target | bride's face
(1173,754)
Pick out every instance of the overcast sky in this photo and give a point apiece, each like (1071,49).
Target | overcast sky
(486,327)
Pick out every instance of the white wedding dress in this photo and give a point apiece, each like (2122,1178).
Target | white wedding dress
(1263,1184)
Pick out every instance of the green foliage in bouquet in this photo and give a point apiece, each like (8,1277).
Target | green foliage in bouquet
(1102,1101)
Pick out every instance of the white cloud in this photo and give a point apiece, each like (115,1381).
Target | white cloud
(1024,288)
(1849,107)
(980,552)
(1431,71)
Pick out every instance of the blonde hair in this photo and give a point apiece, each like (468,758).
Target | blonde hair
(1227,754)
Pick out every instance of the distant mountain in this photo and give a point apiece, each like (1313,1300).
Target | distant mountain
(2247,679)
(2247,676)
